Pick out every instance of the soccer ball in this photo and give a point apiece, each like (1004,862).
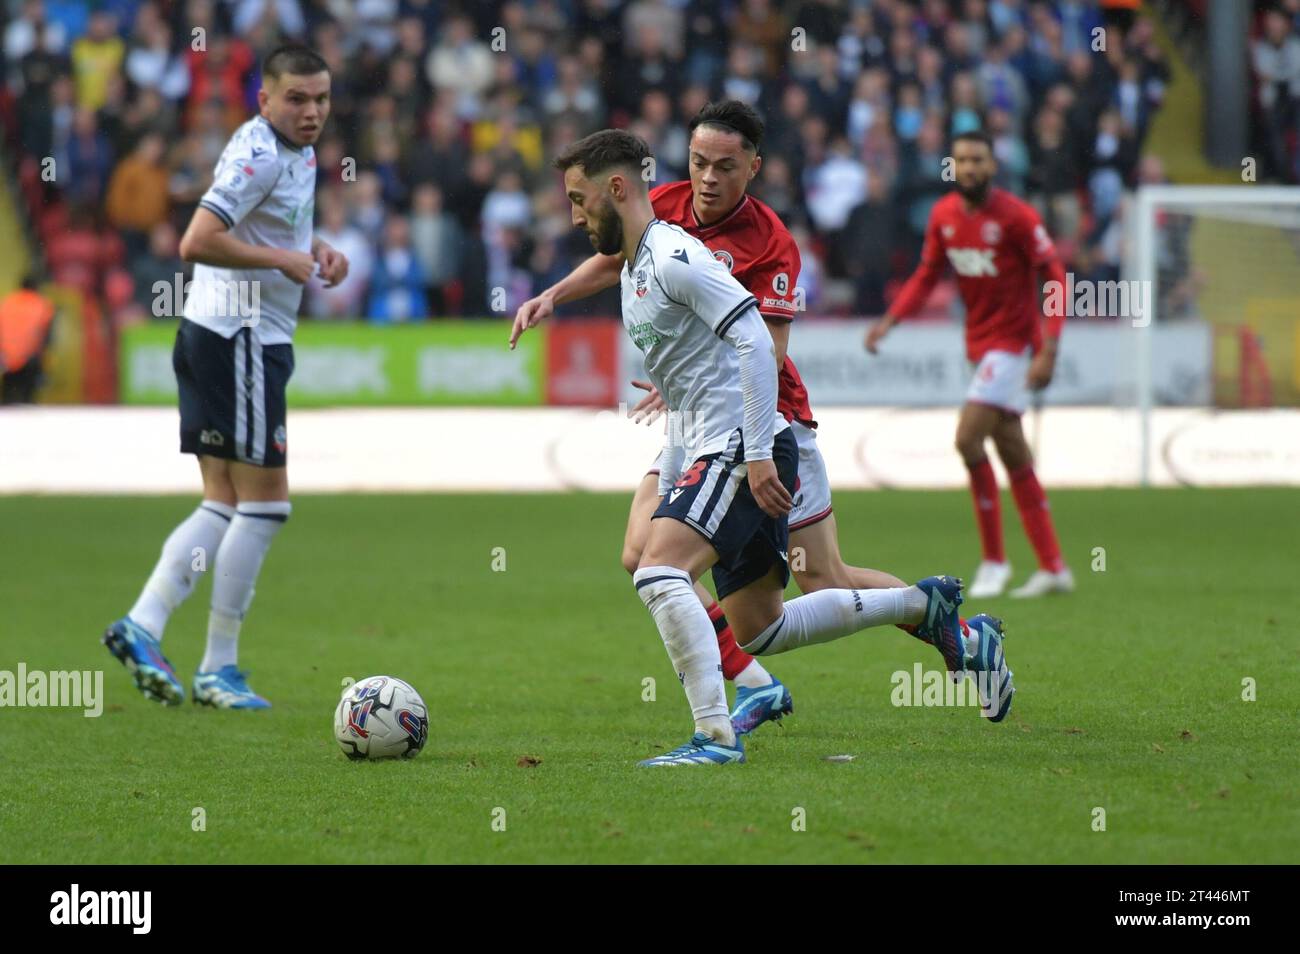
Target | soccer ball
(381,717)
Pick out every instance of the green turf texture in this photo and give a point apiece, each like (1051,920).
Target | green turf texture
(1130,695)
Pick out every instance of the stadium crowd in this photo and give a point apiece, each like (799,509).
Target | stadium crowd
(433,173)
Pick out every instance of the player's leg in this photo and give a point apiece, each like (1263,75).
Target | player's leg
(673,558)
(815,557)
(1052,576)
(204,363)
(738,666)
(975,425)
(259,474)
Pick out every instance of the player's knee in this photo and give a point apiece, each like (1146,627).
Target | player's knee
(970,447)
(656,584)
(814,578)
(1013,452)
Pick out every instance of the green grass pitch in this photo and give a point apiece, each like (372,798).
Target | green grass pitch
(1130,695)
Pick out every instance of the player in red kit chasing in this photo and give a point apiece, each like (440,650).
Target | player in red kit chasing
(1002,255)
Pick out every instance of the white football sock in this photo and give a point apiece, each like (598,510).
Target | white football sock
(692,645)
(186,554)
(753,676)
(829,614)
(238,562)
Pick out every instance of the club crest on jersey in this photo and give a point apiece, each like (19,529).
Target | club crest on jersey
(642,283)
(722,255)
(991,232)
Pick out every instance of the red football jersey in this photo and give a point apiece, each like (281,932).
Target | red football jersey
(751,241)
(996,251)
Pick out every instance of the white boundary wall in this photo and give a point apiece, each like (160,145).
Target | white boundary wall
(115,450)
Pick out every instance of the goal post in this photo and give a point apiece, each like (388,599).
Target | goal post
(1227,257)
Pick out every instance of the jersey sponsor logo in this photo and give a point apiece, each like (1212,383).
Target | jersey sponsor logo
(973,262)
(722,255)
(642,283)
(644,335)
(781,283)
(991,232)
(780,303)
(948,231)
(680,255)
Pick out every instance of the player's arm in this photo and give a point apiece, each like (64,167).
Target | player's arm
(779,329)
(715,297)
(773,283)
(208,241)
(668,461)
(333,263)
(1041,254)
(749,335)
(917,288)
(241,184)
(594,275)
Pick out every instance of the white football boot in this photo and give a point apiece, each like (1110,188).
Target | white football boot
(990,580)
(1044,582)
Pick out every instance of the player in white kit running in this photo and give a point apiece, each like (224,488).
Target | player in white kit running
(710,355)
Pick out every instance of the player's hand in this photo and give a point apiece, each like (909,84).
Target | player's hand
(650,407)
(766,486)
(877,331)
(296,266)
(333,264)
(530,314)
(1041,369)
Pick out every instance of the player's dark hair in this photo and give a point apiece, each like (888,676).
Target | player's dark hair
(605,150)
(294,59)
(974,135)
(732,115)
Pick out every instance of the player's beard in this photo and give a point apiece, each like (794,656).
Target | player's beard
(608,237)
(977,193)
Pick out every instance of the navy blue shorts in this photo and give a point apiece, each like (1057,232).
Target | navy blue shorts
(232,395)
(713,497)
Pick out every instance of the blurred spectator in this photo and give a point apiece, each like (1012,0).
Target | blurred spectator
(26,317)
(30,32)
(95,57)
(460,63)
(834,187)
(347,299)
(89,159)
(1276,59)
(437,240)
(869,242)
(152,64)
(155,270)
(138,197)
(397,287)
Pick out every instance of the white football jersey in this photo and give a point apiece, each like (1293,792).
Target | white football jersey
(679,302)
(264,190)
